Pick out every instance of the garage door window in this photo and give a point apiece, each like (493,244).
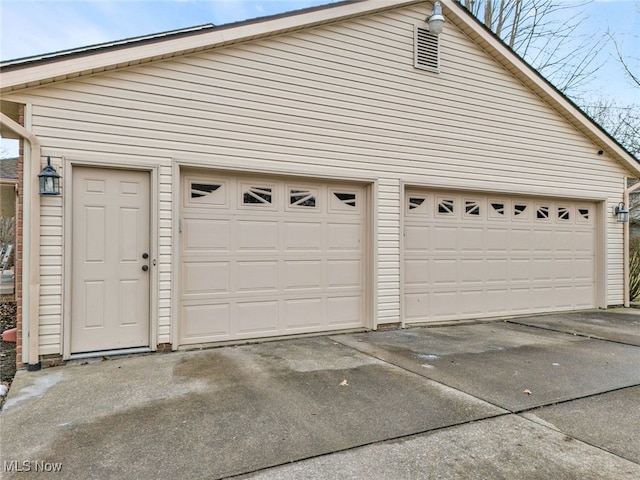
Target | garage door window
(584,214)
(417,205)
(302,198)
(257,195)
(542,213)
(446,206)
(472,208)
(497,210)
(564,214)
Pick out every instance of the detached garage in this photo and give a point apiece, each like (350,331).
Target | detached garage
(336,168)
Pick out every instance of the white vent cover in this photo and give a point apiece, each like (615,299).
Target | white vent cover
(427,50)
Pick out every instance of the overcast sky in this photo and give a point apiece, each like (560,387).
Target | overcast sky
(33,27)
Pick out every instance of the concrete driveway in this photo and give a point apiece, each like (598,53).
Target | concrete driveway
(555,396)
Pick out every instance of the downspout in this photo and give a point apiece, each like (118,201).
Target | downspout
(31,261)
(625,230)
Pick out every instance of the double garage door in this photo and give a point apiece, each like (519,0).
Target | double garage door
(267,256)
(472,256)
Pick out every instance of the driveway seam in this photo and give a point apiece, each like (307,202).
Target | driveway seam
(573,334)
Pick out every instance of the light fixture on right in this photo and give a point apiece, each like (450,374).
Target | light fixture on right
(621,212)
(436,19)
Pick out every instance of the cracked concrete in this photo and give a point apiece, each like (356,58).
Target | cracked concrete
(428,402)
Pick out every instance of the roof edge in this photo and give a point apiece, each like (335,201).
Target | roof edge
(545,88)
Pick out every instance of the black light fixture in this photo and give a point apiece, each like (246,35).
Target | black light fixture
(436,19)
(621,212)
(49,180)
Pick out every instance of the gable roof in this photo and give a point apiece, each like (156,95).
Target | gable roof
(39,70)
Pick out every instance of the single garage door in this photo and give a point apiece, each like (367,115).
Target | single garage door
(473,256)
(268,256)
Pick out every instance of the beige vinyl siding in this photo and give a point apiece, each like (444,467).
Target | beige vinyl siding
(388,236)
(51,266)
(340,100)
(165,245)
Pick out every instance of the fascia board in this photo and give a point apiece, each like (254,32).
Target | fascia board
(454,13)
(70,66)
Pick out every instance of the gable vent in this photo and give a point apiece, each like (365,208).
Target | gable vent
(427,50)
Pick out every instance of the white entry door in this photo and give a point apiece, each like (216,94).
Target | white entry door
(110,265)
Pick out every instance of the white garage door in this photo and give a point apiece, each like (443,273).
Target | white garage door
(264,257)
(473,256)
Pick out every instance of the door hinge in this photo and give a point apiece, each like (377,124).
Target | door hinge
(179,225)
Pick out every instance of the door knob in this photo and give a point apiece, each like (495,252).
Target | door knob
(145,255)
(145,268)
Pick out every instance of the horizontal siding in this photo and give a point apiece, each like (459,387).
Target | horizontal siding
(336,100)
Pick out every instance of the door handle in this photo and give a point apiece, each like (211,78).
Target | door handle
(145,268)
(145,255)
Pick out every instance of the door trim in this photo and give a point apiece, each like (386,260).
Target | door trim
(67,199)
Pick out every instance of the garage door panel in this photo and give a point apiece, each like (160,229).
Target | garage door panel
(270,257)
(303,274)
(470,302)
(582,295)
(519,240)
(201,322)
(257,235)
(444,271)
(416,271)
(343,236)
(303,236)
(497,270)
(257,318)
(206,234)
(564,296)
(541,269)
(583,242)
(564,269)
(497,240)
(257,276)
(444,303)
(344,311)
(444,239)
(303,313)
(206,277)
(564,241)
(583,269)
(344,273)
(472,271)
(487,256)
(520,270)
(416,306)
(471,239)
(416,238)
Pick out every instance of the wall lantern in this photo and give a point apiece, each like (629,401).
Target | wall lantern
(621,212)
(436,19)
(49,180)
